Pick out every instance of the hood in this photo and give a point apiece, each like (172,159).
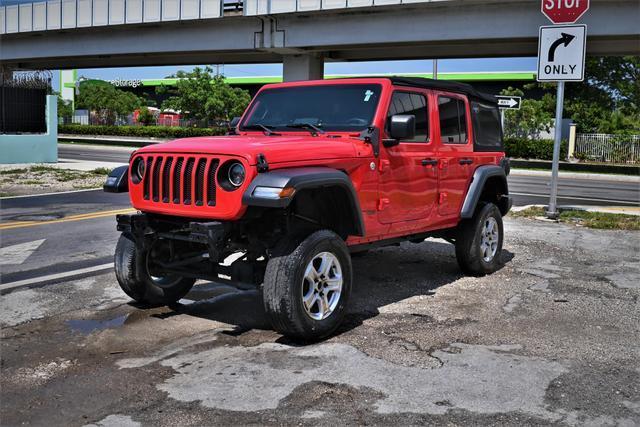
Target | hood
(275,148)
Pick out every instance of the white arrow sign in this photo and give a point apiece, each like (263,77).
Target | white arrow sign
(509,102)
(561,53)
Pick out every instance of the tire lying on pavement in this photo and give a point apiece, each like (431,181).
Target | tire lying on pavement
(131,268)
(307,286)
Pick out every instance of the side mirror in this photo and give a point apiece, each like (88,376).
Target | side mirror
(117,181)
(402,126)
(234,122)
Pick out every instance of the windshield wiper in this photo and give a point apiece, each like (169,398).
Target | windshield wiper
(265,128)
(313,128)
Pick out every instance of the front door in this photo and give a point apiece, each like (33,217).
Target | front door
(455,152)
(408,171)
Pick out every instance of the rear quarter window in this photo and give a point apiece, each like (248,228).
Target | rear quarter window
(487,129)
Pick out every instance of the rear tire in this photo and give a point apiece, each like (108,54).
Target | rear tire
(307,286)
(134,278)
(479,241)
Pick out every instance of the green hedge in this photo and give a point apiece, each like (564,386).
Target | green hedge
(541,149)
(140,131)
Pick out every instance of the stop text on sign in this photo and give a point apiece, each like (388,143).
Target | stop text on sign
(560,4)
(564,11)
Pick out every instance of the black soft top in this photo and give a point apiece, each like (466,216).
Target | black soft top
(449,86)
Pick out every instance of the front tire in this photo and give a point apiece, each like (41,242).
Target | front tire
(307,286)
(479,241)
(132,272)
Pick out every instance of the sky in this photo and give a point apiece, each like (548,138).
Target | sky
(371,67)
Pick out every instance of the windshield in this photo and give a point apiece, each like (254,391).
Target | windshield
(345,107)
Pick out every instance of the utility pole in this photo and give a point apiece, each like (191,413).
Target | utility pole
(435,69)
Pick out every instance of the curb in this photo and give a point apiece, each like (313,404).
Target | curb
(633,170)
(577,175)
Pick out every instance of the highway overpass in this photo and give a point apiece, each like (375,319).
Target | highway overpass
(62,34)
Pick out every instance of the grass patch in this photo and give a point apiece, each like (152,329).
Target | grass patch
(42,169)
(597,220)
(101,171)
(12,171)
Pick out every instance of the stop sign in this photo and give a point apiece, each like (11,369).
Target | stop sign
(564,11)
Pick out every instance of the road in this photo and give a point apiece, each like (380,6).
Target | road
(550,339)
(96,153)
(62,233)
(526,189)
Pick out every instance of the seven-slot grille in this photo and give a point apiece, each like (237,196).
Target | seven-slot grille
(183,180)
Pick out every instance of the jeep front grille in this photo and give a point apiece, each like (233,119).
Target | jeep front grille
(181,180)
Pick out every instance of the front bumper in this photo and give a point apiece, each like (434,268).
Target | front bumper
(146,229)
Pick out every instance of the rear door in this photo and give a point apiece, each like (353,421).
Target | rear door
(455,152)
(408,171)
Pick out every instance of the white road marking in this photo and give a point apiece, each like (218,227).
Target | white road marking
(626,202)
(56,276)
(50,194)
(17,254)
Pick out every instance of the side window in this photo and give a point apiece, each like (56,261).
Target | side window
(415,104)
(453,120)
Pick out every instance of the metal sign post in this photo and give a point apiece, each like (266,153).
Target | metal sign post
(506,102)
(561,58)
(552,210)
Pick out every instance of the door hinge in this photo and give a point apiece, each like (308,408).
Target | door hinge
(383,204)
(443,198)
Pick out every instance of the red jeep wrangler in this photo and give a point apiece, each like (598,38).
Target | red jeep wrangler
(313,172)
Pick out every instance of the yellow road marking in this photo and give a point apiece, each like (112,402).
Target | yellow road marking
(79,217)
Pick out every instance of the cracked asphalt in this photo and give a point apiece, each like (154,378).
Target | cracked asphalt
(551,338)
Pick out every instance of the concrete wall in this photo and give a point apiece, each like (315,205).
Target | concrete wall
(33,148)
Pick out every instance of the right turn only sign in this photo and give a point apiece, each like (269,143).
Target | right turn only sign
(561,53)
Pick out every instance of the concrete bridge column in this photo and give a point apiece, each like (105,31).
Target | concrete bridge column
(302,67)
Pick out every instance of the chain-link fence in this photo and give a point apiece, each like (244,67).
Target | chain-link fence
(600,147)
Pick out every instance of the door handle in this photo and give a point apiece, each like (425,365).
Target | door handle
(429,162)
(465,161)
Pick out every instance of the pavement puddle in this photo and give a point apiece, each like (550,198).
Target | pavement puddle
(37,217)
(87,326)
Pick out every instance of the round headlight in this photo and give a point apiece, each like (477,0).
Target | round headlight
(236,174)
(138,169)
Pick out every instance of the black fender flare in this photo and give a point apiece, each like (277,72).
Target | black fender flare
(480,177)
(301,179)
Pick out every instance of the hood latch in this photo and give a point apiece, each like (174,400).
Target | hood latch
(261,163)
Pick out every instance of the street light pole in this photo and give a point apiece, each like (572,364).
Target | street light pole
(552,210)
